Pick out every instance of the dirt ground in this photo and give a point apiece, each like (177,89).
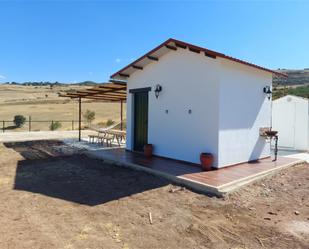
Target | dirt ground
(51,199)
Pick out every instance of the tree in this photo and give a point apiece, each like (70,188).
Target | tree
(110,122)
(89,116)
(19,120)
(55,125)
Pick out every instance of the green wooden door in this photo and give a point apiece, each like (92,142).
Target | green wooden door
(140,120)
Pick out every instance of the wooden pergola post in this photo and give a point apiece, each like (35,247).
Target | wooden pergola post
(79,118)
(110,92)
(121,114)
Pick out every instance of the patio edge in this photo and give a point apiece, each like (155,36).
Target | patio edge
(195,186)
(219,191)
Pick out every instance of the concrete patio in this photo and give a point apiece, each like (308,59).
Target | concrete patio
(216,182)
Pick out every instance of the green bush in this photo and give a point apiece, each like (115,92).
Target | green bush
(110,122)
(89,116)
(301,91)
(55,125)
(19,120)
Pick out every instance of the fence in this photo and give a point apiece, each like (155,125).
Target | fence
(37,125)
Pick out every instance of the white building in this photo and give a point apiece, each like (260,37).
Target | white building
(291,120)
(209,102)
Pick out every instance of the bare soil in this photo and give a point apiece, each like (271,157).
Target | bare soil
(50,198)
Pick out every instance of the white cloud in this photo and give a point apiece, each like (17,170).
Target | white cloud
(118,60)
(2,77)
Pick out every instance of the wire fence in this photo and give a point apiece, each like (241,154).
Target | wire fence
(40,125)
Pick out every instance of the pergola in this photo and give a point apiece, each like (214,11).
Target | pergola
(114,91)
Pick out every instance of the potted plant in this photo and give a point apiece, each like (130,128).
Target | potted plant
(148,150)
(206,161)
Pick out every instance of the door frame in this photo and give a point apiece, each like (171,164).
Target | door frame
(133,91)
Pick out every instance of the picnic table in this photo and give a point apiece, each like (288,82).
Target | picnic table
(117,135)
(108,136)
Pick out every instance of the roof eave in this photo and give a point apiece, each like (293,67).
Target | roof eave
(118,73)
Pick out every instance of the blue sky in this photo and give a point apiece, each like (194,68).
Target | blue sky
(72,41)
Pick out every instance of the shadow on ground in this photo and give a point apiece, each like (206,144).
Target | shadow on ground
(75,178)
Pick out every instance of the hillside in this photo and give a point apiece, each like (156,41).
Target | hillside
(295,77)
(43,104)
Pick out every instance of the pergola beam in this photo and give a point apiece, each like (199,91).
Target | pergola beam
(103,99)
(118,82)
(111,89)
(110,94)
(96,97)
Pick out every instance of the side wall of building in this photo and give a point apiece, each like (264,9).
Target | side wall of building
(244,109)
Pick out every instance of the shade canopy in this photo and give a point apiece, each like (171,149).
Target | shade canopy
(111,92)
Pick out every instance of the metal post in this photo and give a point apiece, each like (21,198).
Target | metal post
(72,125)
(3,126)
(79,118)
(121,114)
(276,147)
(52,125)
(29,123)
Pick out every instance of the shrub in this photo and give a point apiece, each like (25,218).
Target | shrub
(19,120)
(89,116)
(110,122)
(101,124)
(55,125)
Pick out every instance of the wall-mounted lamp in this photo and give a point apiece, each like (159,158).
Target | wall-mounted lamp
(267,91)
(158,90)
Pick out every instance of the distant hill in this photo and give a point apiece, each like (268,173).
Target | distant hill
(295,77)
(296,84)
(47,83)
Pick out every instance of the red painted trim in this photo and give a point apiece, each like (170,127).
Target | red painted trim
(201,49)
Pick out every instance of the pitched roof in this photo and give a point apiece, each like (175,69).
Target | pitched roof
(173,44)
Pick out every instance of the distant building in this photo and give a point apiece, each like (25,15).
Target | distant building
(291,119)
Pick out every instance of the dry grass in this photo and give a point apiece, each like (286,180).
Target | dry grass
(43,103)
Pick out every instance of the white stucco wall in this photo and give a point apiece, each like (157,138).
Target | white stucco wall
(227,102)
(244,109)
(291,119)
(190,83)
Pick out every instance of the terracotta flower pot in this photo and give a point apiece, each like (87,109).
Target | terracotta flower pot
(207,160)
(148,150)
